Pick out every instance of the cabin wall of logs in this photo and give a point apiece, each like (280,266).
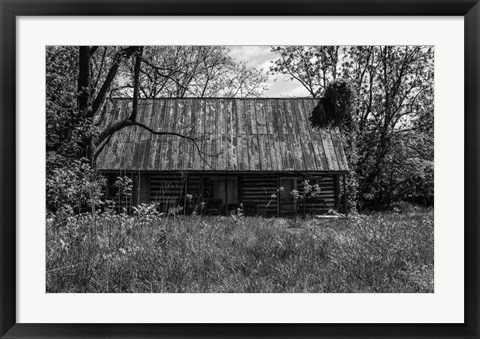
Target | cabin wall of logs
(267,194)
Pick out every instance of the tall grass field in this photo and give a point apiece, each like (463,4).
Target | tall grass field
(149,252)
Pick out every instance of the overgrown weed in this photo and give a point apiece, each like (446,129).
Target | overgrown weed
(150,252)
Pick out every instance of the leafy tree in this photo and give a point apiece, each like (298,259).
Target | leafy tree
(336,105)
(90,101)
(69,124)
(335,108)
(313,66)
(80,79)
(74,186)
(193,71)
(64,126)
(392,101)
(395,101)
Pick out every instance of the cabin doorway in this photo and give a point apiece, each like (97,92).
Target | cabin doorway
(220,194)
(287,204)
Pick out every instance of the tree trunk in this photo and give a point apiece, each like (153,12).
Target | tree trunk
(83,96)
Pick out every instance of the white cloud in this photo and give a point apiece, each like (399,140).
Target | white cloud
(298,91)
(254,55)
(261,58)
(265,66)
(285,87)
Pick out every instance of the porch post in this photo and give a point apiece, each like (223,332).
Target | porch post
(226,196)
(345,194)
(202,188)
(278,197)
(336,183)
(185,195)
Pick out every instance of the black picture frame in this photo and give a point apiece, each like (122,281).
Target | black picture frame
(9,328)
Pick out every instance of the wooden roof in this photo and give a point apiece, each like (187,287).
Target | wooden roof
(260,134)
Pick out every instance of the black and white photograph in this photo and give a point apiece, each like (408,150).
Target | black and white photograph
(240,169)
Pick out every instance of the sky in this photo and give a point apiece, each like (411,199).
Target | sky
(260,57)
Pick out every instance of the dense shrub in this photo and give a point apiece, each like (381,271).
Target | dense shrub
(74,186)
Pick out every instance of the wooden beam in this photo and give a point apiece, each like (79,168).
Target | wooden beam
(131,199)
(226,195)
(201,186)
(345,195)
(278,197)
(337,191)
(239,189)
(147,191)
(109,183)
(185,195)
(295,201)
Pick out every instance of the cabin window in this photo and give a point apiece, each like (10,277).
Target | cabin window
(287,204)
(220,193)
(208,187)
(228,191)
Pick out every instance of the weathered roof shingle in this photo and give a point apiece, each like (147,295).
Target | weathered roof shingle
(260,134)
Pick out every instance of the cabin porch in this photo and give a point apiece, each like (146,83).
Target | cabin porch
(217,193)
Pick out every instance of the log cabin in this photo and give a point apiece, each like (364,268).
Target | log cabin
(248,153)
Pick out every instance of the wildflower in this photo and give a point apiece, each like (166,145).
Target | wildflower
(280,189)
(175,210)
(295,194)
(189,196)
(273,196)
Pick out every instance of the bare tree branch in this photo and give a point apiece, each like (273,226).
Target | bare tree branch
(119,57)
(168,76)
(106,135)
(92,50)
(100,68)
